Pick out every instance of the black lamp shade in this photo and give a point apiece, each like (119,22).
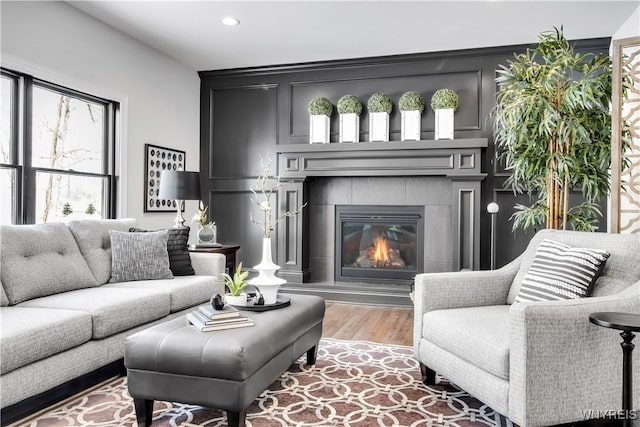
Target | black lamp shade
(179,185)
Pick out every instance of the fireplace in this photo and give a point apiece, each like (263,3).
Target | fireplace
(430,187)
(379,244)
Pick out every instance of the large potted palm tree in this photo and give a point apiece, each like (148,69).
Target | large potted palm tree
(552,129)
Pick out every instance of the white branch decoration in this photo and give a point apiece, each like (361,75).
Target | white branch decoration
(262,198)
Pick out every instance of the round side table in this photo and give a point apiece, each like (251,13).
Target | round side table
(627,323)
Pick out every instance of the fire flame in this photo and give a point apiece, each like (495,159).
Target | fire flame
(381,249)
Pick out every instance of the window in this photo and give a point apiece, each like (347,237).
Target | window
(9,168)
(66,151)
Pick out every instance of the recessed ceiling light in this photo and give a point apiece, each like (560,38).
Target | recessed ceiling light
(231,21)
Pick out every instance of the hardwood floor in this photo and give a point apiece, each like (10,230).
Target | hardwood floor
(382,324)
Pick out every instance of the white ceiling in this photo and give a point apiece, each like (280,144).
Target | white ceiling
(287,32)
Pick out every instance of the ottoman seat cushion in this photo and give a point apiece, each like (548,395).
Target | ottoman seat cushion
(112,310)
(31,334)
(176,347)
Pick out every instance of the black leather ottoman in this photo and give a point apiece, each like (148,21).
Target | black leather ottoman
(226,369)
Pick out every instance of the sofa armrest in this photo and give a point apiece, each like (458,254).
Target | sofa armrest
(208,264)
(561,365)
(440,291)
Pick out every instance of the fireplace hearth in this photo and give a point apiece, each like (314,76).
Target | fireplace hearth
(379,244)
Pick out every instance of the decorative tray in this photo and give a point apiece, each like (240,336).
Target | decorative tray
(281,301)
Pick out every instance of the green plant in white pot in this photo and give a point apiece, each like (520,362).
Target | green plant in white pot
(236,285)
(380,106)
(411,106)
(320,109)
(444,102)
(349,108)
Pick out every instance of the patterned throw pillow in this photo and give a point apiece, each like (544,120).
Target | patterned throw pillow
(561,272)
(139,256)
(178,250)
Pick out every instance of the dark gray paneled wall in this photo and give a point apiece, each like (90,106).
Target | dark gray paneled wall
(246,113)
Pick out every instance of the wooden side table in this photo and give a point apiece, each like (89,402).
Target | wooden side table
(627,323)
(229,251)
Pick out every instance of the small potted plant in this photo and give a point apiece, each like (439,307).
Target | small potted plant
(206,232)
(320,110)
(411,106)
(349,108)
(235,285)
(379,106)
(444,102)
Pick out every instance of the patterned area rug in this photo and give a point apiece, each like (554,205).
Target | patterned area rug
(354,383)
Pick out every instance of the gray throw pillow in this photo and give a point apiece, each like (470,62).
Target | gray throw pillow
(139,256)
(178,250)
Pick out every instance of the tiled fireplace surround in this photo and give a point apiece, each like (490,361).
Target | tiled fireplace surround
(442,176)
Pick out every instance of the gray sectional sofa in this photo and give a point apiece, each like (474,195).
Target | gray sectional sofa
(61,318)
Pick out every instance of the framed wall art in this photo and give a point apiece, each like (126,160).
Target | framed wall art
(156,160)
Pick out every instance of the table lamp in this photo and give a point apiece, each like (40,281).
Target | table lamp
(179,186)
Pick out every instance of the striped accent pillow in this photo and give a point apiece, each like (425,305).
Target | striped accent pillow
(561,272)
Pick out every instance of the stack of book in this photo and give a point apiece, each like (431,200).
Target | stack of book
(207,319)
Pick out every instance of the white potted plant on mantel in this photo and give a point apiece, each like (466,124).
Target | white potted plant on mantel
(379,106)
(444,102)
(411,106)
(349,108)
(320,110)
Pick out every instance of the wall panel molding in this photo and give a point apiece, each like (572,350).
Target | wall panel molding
(274,119)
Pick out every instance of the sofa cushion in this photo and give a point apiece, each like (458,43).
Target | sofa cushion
(4,301)
(139,256)
(112,310)
(621,270)
(479,335)
(39,260)
(31,334)
(185,291)
(94,242)
(178,250)
(561,272)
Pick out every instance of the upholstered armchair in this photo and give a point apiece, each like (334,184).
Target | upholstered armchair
(539,363)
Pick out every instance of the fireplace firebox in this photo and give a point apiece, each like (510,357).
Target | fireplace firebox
(379,244)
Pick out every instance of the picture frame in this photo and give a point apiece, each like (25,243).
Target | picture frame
(157,159)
